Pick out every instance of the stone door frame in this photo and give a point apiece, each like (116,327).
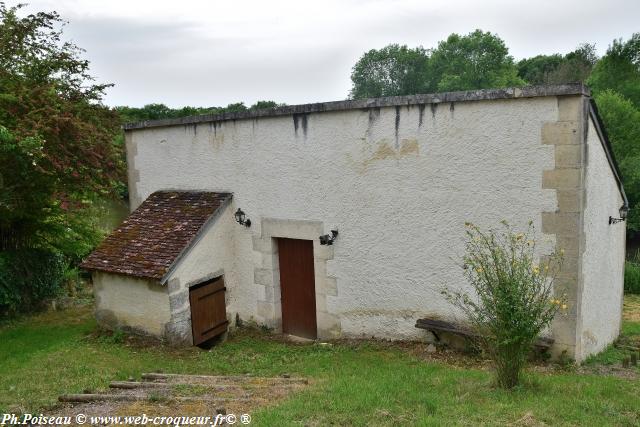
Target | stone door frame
(267,274)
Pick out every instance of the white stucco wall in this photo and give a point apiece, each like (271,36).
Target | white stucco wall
(214,255)
(603,257)
(123,301)
(399,197)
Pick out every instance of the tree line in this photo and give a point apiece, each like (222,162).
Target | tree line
(478,60)
(161,111)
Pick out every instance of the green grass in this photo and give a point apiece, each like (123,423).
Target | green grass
(352,384)
(614,354)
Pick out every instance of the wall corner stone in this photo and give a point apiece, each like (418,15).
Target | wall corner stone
(177,331)
(567,135)
(133,174)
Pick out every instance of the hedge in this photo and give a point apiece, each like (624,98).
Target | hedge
(28,277)
(632,277)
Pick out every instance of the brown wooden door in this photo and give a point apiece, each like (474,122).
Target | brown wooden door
(208,310)
(297,287)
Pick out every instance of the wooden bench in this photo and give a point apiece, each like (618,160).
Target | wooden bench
(438,326)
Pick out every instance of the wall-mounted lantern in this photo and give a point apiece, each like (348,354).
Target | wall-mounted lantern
(624,210)
(328,239)
(242,219)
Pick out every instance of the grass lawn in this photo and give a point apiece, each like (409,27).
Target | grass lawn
(352,383)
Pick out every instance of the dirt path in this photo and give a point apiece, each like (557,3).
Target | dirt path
(173,395)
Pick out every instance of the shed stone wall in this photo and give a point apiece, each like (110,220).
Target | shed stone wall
(604,254)
(398,183)
(131,303)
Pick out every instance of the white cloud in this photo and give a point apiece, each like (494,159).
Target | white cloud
(198,52)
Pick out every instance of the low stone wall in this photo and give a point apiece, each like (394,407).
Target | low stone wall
(137,305)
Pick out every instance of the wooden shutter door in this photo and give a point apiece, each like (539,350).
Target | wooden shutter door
(208,310)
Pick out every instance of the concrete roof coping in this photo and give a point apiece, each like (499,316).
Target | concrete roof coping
(391,101)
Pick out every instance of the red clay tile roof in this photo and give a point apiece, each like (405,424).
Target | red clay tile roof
(152,238)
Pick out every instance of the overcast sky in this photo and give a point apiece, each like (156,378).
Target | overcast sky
(212,53)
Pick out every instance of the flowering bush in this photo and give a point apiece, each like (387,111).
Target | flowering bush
(513,300)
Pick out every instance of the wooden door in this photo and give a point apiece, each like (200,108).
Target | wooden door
(208,310)
(297,287)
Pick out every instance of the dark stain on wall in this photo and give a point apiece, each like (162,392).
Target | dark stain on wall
(189,126)
(421,108)
(397,123)
(434,108)
(300,120)
(374,113)
(304,124)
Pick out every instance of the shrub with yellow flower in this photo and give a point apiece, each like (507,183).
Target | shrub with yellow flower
(513,298)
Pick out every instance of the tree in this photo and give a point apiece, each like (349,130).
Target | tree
(622,122)
(536,70)
(260,105)
(619,69)
(392,70)
(575,66)
(615,83)
(474,61)
(58,150)
(477,60)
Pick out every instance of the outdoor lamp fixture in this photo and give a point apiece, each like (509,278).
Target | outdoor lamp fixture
(328,239)
(624,209)
(242,219)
